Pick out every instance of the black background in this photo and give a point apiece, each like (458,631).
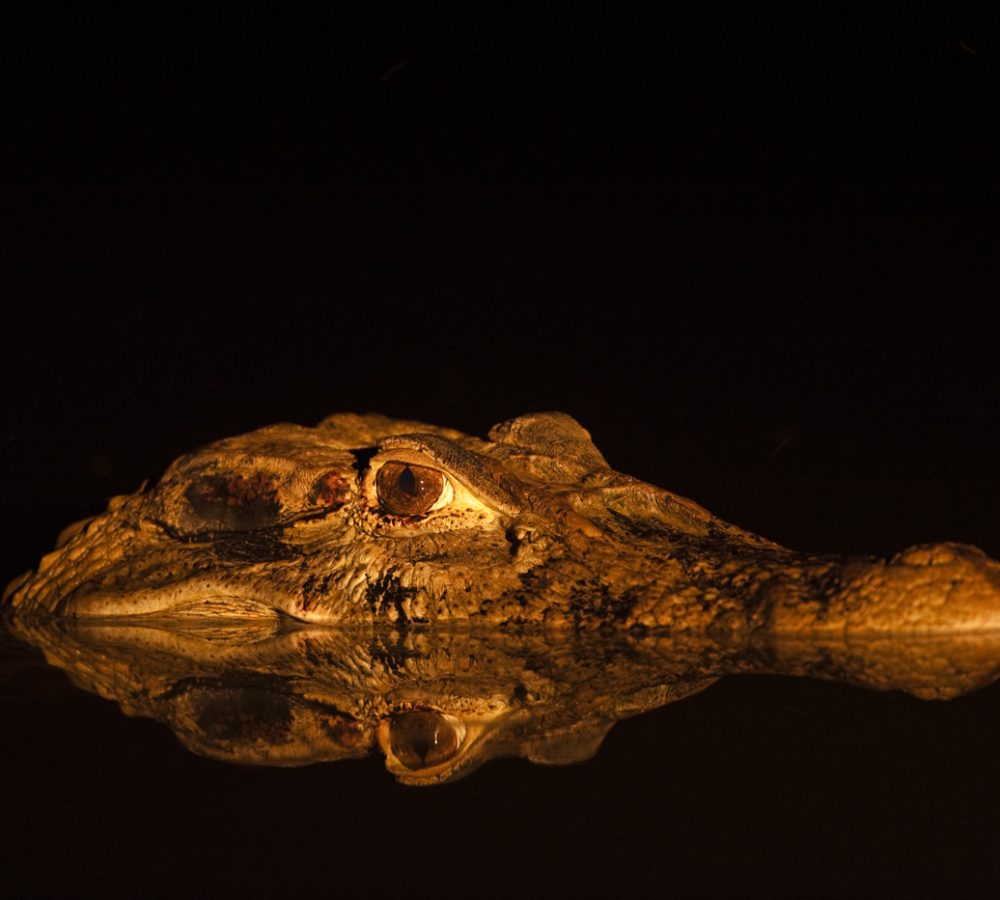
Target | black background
(754,252)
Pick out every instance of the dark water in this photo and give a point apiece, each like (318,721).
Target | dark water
(758,784)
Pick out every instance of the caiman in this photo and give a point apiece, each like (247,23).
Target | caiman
(366,519)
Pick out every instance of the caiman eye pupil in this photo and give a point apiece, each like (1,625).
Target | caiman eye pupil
(405,490)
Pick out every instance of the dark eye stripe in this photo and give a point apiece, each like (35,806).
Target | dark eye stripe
(235,503)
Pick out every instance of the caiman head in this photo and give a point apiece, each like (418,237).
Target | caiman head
(367,519)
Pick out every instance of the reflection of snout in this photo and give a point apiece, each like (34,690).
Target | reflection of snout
(930,588)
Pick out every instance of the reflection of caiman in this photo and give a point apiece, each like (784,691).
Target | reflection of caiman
(439,702)
(367,519)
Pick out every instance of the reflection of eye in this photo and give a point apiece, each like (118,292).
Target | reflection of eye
(405,490)
(421,738)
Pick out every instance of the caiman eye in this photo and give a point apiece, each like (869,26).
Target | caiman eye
(420,739)
(408,490)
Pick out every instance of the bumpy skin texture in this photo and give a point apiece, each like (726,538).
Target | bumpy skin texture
(534,528)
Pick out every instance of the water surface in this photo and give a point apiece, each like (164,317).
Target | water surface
(564,756)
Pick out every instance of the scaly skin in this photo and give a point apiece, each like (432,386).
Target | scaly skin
(536,529)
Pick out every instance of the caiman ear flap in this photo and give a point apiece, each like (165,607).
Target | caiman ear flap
(551,434)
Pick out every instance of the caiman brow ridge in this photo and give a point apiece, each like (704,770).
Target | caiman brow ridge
(539,532)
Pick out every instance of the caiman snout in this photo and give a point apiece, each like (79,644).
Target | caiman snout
(929,588)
